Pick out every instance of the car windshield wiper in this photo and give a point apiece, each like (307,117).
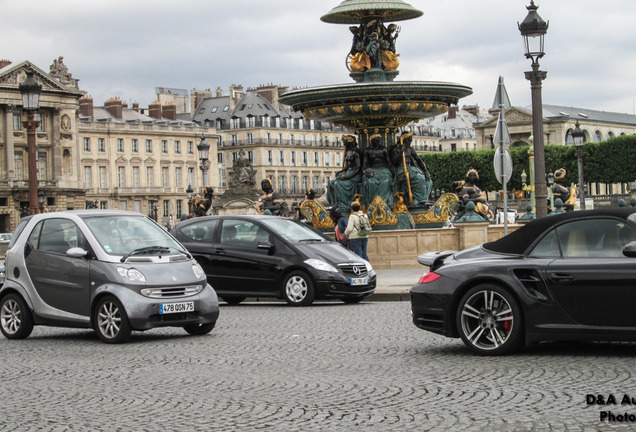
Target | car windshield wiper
(311,240)
(153,250)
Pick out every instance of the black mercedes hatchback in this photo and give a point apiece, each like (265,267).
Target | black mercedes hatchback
(269,256)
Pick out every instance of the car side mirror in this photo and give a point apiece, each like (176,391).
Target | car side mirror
(76,252)
(630,250)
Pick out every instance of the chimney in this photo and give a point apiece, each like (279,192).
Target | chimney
(452,112)
(4,63)
(169,111)
(86,106)
(154,110)
(236,94)
(473,109)
(135,106)
(219,92)
(114,107)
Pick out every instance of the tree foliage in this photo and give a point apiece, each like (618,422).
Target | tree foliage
(611,161)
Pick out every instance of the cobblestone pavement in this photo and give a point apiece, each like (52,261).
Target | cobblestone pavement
(329,367)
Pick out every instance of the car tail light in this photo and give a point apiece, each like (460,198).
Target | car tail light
(429,277)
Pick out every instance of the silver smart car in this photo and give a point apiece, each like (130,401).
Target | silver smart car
(113,271)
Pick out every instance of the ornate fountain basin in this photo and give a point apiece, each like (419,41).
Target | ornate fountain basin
(392,104)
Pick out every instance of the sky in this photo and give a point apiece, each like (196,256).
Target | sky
(127,48)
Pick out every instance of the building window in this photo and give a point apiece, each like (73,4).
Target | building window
(281,158)
(305,159)
(121,177)
(103,205)
(166,208)
(102,177)
(235,123)
(249,138)
(177,147)
(17,121)
(18,158)
(136,177)
(270,157)
(120,145)
(164,146)
(314,140)
(251,121)
(317,182)
(41,167)
(179,208)
(101,145)
(164,177)
(234,139)
(268,138)
(250,156)
(38,117)
(123,205)
(191,177)
(148,146)
(150,174)
(190,147)
(305,182)
(220,157)
(87,144)
(178,178)
(293,158)
(327,159)
(282,184)
(135,146)
(292,139)
(294,184)
(88,177)
(316,159)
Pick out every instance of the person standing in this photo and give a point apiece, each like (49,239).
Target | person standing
(357,241)
(340,223)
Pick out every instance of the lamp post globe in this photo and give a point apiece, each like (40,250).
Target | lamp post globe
(30,90)
(189,192)
(533,30)
(579,137)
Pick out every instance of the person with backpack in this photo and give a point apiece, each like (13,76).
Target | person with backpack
(341,223)
(358,230)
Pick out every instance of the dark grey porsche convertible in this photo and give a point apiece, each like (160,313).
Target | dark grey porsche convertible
(565,277)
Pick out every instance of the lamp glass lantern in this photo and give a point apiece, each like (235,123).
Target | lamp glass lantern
(524,177)
(204,150)
(41,197)
(30,89)
(189,191)
(578,135)
(533,30)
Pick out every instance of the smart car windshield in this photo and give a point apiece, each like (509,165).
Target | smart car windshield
(292,231)
(121,235)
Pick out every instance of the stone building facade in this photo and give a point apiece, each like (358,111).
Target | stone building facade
(59,174)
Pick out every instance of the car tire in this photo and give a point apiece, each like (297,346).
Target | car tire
(298,289)
(16,320)
(199,329)
(233,300)
(489,320)
(352,300)
(110,321)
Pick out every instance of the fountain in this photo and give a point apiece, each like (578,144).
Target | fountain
(380,169)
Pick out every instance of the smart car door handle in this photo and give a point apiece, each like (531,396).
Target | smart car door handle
(561,278)
(219,251)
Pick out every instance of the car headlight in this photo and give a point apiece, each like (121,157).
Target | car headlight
(368,265)
(321,265)
(131,274)
(198,271)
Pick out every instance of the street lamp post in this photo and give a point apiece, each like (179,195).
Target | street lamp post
(533,30)
(189,193)
(204,152)
(30,89)
(41,197)
(578,136)
(550,185)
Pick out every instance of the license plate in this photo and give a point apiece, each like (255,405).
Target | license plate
(167,308)
(360,281)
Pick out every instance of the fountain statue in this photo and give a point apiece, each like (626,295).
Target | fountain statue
(380,169)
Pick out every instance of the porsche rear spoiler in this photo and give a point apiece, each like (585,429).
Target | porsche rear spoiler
(432,259)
